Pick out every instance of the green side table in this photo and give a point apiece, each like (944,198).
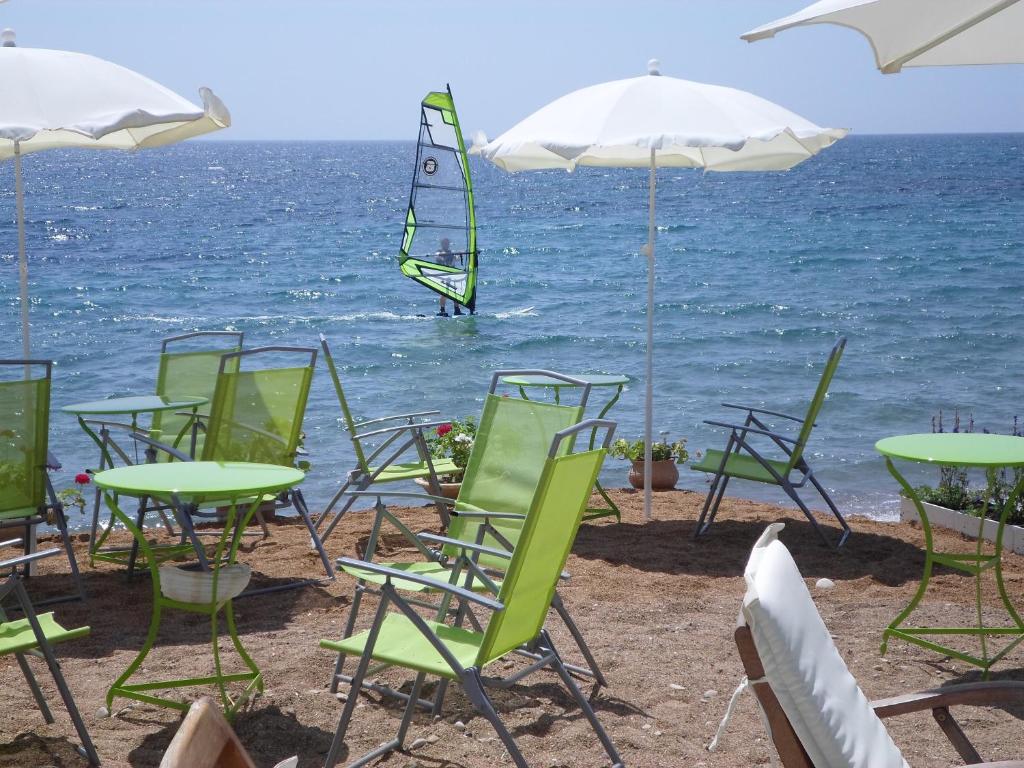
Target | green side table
(618,381)
(959,450)
(131,406)
(183,486)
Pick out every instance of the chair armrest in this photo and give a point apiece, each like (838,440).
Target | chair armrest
(762,410)
(443,586)
(445,540)
(419,426)
(14,562)
(416,415)
(403,495)
(742,428)
(179,455)
(972,694)
(117,424)
(52,462)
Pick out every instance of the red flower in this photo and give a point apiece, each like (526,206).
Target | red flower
(444,429)
(82,478)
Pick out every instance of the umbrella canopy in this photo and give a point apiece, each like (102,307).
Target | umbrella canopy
(52,99)
(652,121)
(921,33)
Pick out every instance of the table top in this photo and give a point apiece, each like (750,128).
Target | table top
(956,449)
(593,379)
(133,404)
(189,479)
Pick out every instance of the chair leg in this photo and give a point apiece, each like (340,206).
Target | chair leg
(588,711)
(299,502)
(58,676)
(599,677)
(791,492)
(835,510)
(474,687)
(62,525)
(714,498)
(350,625)
(37,693)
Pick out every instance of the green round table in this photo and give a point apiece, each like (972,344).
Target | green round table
(595,380)
(121,406)
(183,486)
(985,451)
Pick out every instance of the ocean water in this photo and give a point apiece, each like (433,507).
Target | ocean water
(911,246)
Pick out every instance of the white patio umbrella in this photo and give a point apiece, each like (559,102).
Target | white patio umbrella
(51,99)
(921,33)
(651,122)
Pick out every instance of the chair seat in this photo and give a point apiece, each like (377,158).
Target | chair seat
(17,636)
(431,569)
(412,470)
(402,644)
(18,514)
(741,465)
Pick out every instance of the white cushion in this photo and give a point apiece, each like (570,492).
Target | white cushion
(830,714)
(197,586)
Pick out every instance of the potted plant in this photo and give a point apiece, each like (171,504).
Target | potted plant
(664,455)
(454,441)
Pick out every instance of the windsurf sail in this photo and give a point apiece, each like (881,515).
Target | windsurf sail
(439,242)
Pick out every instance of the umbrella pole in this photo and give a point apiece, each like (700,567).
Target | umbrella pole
(649,374)
(19,195)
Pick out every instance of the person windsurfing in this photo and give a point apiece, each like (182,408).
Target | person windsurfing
(445,257)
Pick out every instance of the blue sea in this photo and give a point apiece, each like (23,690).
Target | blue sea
(911,246)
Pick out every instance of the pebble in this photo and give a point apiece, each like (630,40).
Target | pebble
(677,687)
(417,743)
(339,695)
(102,712)
(459,725)
(824,584)
(710,693)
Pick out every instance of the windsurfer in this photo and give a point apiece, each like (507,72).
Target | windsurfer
(446,258)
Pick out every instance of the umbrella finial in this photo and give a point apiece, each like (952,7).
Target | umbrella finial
(653,67)
(7,38)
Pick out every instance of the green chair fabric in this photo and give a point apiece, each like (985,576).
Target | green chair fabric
(742,459)
(505,466)
(25,489)
(388,462)
(35,635)
(405,639)
(187,371)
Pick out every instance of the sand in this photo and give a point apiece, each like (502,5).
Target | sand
(657,608)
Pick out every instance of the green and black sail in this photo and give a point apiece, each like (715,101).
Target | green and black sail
(441,221)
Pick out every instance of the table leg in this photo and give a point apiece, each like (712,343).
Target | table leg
(974,564)
(592,513)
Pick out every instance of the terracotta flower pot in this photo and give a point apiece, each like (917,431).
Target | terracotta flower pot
(664,475)
(448,490)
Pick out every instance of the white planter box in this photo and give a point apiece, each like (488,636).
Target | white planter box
(940,517)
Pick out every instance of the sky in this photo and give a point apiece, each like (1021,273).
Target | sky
(342,69)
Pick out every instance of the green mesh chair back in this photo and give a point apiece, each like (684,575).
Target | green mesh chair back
(816,402)
(544,542)
(256,413)
(24,435)
(188,368)
(506,464)
(350,423)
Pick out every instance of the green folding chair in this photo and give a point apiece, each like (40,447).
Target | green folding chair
(35,635)
(504,468)
(742,460)
(256,415)
(404,638)
(27,498)
(188,368)
(389,462)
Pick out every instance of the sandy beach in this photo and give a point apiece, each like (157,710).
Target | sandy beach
(657,609)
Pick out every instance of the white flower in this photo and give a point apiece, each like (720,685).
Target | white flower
(464,438)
